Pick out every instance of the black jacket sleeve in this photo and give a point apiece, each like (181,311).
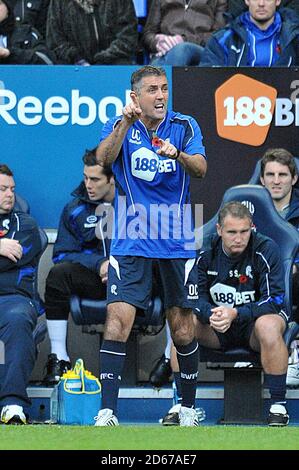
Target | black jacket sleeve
(270,279)
(27,233)
(203,311)
(27,46)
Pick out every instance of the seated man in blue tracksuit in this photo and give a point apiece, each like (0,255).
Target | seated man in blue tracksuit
(80,255)
(20,247)
(241,299)
(260,37)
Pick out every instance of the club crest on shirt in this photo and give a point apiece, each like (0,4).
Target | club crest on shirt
(5,228)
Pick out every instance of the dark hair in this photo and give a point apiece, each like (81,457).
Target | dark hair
(90,159)
(4,170)
(281,156)
(235,209)
(145,71)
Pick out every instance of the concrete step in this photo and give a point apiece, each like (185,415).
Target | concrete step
(147,405)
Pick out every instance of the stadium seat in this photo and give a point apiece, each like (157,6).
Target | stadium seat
(243,387)
(21,204)
(40,330)
(93,312)
(141,8)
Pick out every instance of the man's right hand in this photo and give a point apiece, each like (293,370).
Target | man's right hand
(104,271)
(11,249)
(131,113)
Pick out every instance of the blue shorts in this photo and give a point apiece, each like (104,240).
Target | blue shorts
(130,280)
(237,336)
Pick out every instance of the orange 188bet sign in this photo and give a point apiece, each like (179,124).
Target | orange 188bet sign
(244,110)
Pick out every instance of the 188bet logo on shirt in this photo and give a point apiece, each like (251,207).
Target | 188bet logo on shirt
(244,110)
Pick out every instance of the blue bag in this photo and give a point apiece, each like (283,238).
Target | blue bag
(79,396)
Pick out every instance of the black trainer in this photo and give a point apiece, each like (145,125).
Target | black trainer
(161,373)
(278,416)
(55,369)
(172,417)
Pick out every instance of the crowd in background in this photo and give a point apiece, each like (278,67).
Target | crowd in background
(169,32)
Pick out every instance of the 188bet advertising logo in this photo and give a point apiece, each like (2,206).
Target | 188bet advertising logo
(245,109)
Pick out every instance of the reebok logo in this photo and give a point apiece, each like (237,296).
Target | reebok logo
(244,110)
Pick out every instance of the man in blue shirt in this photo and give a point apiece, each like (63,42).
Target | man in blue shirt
(241,299)
(261,37)
(153,152)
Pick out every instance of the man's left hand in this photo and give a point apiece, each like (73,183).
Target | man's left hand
(167,149)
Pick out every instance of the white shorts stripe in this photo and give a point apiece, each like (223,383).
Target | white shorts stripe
(115,265)
(188,268)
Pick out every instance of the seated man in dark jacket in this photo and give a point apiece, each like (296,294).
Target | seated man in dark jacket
(279,175)
(86,32)
(260,37)
(80,255)
(241,299)
(20,247)
(20,44)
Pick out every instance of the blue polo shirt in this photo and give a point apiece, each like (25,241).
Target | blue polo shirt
(152,204)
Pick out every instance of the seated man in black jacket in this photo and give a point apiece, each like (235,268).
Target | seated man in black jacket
(20,44)
(241,302)
(80,255)
(241,292)
(279,175)
(20,247)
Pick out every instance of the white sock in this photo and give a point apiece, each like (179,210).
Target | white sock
(57,330)
(169,342)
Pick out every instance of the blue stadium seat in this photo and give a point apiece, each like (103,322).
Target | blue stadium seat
(140,8)
(243,390)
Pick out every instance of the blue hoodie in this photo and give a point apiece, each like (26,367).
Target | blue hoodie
(77,241)
(241,43)
(264,45)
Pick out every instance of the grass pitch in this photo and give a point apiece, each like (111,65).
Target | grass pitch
(43,437)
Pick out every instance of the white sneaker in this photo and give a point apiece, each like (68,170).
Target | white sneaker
(293,376)
(106,417)
(13,414)
(188,416)
(278,416)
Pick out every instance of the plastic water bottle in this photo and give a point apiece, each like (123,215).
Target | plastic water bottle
(175,398)
(72,381)
(54,405)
